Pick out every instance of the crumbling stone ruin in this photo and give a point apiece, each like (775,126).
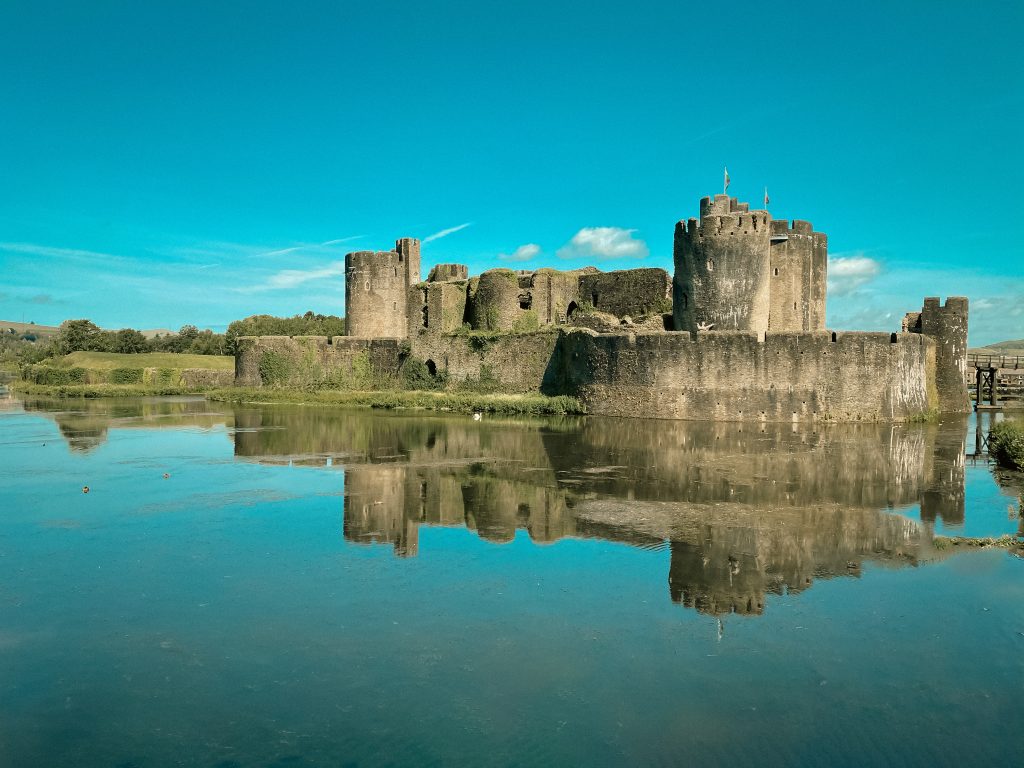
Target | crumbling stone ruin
(737,333)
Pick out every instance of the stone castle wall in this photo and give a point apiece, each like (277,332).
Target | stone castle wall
(305,360)
(734,377)
(522,362)
(632,292)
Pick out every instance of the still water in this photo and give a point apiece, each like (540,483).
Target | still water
(310,586)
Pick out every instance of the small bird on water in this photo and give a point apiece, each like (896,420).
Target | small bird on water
(477,416)
(166,475)
(85,489)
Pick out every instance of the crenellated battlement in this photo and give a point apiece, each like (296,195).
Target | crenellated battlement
(738,222)
(955,305)
(796,226)
(722,205)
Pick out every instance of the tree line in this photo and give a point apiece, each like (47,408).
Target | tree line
(85,336)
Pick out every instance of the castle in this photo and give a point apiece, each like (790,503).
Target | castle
(737,333)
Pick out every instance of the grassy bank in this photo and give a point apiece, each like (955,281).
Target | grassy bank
(1006,444)
(98,390)
(109,361)
(460,402)
(89,373)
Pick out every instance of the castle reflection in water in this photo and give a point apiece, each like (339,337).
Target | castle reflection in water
(747,511)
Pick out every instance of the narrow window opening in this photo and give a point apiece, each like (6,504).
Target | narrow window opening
(593,300)
(525,301)
(394,305)
(833,336)
(776,272)
(366,287)
(431,367)
(686,301)
(794,305)
(892,338)
(396,271)
(573,306)
(426,316)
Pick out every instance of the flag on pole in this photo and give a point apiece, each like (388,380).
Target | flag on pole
(766,197)
(726,188)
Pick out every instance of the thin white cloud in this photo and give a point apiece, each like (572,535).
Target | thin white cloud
(292,278)
(848,273)
(604,243)
(446,232)
(309,246)
(49,252)
(522,253)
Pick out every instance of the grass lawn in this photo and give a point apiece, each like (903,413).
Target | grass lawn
(108,361)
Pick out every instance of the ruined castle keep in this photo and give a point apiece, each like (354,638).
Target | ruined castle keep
(737,333)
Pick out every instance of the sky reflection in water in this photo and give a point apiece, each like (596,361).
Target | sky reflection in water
(313,586)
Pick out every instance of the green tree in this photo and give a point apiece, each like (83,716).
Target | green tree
(77,336)
(129,341)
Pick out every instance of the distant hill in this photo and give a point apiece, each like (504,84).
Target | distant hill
(1002,348)
(43,331)
(40,331)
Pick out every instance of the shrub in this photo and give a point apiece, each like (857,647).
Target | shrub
(417,376)
(126,376)
(53,375)
(1006,444)
(273,368)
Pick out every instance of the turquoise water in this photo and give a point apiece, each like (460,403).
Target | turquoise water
(312,586)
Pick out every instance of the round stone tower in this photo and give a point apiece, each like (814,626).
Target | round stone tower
(722,268)
(496,302)
(377,289)
(375,295)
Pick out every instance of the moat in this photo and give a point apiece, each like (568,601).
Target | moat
(272,586)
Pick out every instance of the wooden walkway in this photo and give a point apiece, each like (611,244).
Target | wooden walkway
(998,381)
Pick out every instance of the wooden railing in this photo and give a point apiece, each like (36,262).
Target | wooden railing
(999,362)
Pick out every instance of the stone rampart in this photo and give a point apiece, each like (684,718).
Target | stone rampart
(731,376)
(632,292)
(341,361)
(519,362)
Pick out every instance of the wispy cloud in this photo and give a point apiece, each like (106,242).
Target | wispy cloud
(604,243)
(446,232)
(848,273)
(310,246)
(291,278)
(522,253)
(50,252)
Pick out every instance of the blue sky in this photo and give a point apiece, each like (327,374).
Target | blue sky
(165,163)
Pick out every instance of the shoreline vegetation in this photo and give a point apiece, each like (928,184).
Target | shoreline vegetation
(1006,444)
(456,402)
